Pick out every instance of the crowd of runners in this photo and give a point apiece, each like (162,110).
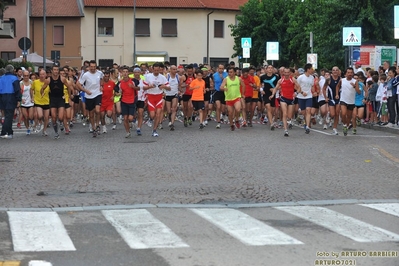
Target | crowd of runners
(163,94)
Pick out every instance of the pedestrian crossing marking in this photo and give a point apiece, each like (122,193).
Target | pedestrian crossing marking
(10,263)
(341,224)
(246,229)
(352,38)
(390,208)
(39,263)
(141,230)
(39,231)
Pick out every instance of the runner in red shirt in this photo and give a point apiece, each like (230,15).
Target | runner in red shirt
(287,86)
(107,101)
(128,89)
(247,91)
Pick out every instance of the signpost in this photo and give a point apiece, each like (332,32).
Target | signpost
(24,44)
(272,52)
(246,45)
(351,36)
(396,21)
(312,59)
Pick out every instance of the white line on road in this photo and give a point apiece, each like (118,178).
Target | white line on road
(390,208)
(245,228)
(39,231)
(141,230)
(39,263)
(341,224)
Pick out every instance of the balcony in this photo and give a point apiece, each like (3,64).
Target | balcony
(7,29)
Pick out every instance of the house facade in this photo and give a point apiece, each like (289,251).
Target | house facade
(14,24)
(181,32)
(63,23)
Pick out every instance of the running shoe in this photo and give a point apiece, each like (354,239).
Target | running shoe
(67,131)
(237,125)
(354,131)
(56,136)
(218,126)
(172,127)
(128,135)
(272,127)
(160,126)
(185,122)
(201,126)
(120,119)
(250,124)
(232,127)
(244,124)
(358,121)
(149,123)
(19,125)
(154,133)
(325,126)
(28,132)
(286,133)
(94,134)
(114,127)
(307,130)
(44,134)
(205,122)
(345,130)
(6,136)
(104,129)
(138,131)
(170,124)
(350,126)
(190,121)
(290,125)
(335,132)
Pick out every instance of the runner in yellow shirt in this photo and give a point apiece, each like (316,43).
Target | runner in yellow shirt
(42,103)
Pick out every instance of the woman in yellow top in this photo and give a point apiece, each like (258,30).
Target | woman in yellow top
(68,95)
(41,103)
(232,94)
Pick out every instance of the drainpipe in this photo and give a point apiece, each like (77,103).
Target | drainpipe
(207,37)
(95,35)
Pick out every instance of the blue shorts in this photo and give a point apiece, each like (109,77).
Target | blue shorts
(287,101)
(305,103)
(82,96)
(128,109)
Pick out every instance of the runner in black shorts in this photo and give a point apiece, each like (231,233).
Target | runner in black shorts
(57,99)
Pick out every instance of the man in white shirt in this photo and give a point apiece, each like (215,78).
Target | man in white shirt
(306,82)
(358,68)
(155,83)
(93,80)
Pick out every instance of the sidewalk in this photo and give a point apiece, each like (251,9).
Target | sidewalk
(392,130)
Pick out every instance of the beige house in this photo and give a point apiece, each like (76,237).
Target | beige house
(181,32)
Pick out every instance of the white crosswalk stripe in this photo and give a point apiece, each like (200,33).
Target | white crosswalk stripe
(390,208)
(141,230)
(39,231)
(245,228)
(341,224)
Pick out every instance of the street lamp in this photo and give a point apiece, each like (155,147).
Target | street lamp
(134,32)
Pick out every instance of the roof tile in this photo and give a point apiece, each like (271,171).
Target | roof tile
(195,4)
(56,8)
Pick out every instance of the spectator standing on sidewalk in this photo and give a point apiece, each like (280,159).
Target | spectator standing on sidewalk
(10,96)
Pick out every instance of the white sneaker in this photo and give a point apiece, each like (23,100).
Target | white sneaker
(127,135)
(335,132)
(325,126)
(120,119)
(114,127)
(149,123)
(205,122)
(389,125)
(104,129)
(170,124)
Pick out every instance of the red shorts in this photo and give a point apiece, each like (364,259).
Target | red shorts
(154,101)
(231,103)
(106,106)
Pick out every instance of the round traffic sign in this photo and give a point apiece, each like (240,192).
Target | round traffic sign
(24,43)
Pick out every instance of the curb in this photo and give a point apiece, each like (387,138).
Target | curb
(218,205)
(392,130)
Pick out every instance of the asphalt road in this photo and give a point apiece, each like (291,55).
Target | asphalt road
(253,172)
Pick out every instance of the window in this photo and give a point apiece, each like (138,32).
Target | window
(173,61)
(9,2)
(143,27)
(58,35)
(219,29)
(8,55)
(105,27)
(169,27)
